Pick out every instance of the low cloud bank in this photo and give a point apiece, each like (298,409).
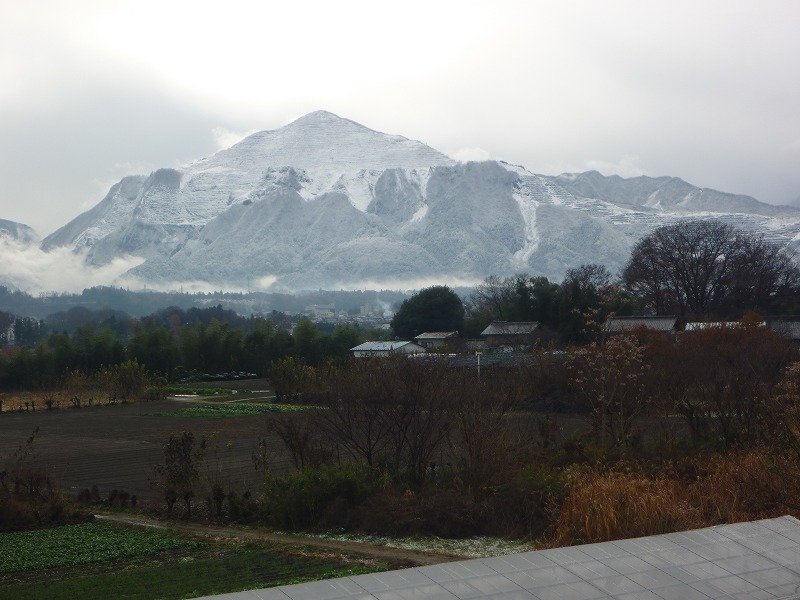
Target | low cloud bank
(34,271)
(30,269)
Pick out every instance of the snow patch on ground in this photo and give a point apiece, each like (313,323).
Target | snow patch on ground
(479,547)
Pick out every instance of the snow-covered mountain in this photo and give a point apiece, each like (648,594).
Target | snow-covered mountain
(327,203)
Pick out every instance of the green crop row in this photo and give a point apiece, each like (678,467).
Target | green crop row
(86,543)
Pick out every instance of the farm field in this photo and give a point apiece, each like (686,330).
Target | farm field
(102,559)
(116,447)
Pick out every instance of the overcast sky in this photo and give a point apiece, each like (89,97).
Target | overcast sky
(91,91)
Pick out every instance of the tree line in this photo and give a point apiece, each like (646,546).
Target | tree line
(175,344)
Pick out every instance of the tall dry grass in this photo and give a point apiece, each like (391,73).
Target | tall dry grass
(747,485)
(601,506)
(626,502)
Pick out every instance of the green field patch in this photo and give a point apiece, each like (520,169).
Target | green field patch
(213,569)
(85,543)
(218,411)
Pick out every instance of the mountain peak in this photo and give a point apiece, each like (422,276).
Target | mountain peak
(318,117)
(323,140)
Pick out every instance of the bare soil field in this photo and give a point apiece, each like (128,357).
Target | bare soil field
(116,447)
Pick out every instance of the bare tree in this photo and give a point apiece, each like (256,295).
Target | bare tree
(707,267)
(730,374)
(494,296)
(611,378)
(486,441)
(355,398)
(392,413)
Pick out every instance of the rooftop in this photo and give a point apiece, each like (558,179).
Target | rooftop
(380,346)
(759,559)
(511,328)
(436,335)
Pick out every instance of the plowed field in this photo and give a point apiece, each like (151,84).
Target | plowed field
(116,447)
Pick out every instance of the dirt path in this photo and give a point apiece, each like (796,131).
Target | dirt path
(395,556)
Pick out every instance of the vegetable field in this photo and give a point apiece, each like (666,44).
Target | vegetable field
(72,545)
(104,560)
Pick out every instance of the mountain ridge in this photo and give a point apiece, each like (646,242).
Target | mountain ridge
(325,201)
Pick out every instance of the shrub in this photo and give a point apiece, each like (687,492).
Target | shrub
(443,512)
(242,509)
(317,497)
(16,514)
(520,507)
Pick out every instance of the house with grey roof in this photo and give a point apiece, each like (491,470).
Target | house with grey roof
(431,340)
(374,349)
(516,335)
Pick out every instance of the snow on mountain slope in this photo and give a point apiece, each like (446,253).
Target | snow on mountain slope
(324,153)
(321,139)
(326,202)
(111,213)
(660,194)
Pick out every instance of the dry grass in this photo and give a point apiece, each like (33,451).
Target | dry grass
(603,505)
(742,486)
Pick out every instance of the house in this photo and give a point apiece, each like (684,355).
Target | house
(620,325)
(373,349)
(517,335)
(431,340)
